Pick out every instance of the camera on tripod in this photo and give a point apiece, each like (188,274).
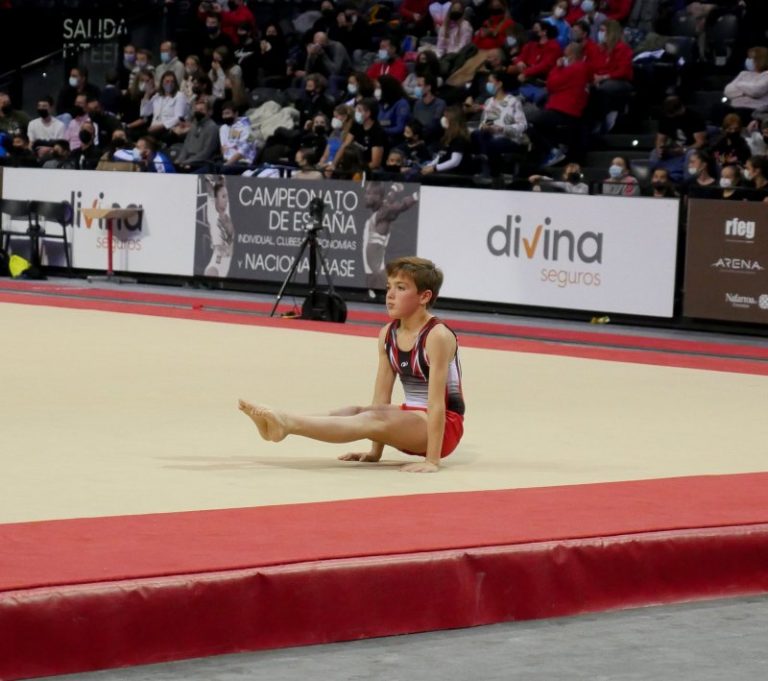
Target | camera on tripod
(316,210)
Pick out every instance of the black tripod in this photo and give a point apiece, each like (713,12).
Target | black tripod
(318,305)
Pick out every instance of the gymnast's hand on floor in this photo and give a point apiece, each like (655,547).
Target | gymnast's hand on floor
(421,467)
(360,456)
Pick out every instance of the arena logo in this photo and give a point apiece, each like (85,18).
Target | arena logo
(740,229)
(737,265)
(544,242)
(130,224)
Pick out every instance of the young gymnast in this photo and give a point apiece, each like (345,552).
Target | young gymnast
(423,352)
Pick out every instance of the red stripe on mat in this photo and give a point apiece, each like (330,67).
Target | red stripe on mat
(493,328)
(87,550)
(656,358)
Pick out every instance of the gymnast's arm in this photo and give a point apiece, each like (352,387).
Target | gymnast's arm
(385,382)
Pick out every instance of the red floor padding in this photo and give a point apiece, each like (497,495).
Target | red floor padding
(91,593)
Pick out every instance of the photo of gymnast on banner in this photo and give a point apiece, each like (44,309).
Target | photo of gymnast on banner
(249,228)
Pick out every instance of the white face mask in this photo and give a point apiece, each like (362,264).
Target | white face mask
(444,123)
(383,55)
(352,88)
(693,170)
(588,6)
(747,175)
(749,64)
(359,117)
(615,171)
(511,41)
(336,124)
(142,86)
(559,12)
(726,182)
(74,81)
(377,93)
(602,37)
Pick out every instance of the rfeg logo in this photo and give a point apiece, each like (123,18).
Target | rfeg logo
(744,230)
(543,242)
(78,203)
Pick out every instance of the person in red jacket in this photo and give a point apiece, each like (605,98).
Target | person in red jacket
(388,62)
(237,14)
(612,72)
(568,88)
(416,17)
(618,10)
(536,60)
(575,13)
(493,32)
(580,34)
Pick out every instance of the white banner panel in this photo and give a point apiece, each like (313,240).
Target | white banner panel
(163,242)
(598,253)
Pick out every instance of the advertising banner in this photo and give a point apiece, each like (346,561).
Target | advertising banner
(160,242)
(597,253)
(726,261)
(249,228)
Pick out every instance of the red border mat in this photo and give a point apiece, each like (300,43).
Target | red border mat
(91,593)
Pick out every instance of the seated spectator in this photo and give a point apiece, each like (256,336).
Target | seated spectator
(330,59)
(613,73)
(192,69)
(388,62)
(396,162)
(352,31)
(125,69)
(351,164)
(593,16)
(415,17)
(305,161)
(143,63)
(273,70)
(757,138)
(119,148)
(80,116)
(571,182)
(105,123)
(222,66)
(620,182)
(201,144)
(87,155)
(315,134)
(12,121)
(580,35)
(394,109)
(169,61)
(111,97)
(748,92)
(730,182)
(502,125)
(681,131)
(453,152)
(169,108)
(59,157)
(212,38)
(327,21)
(493,31)
(557,19)
(368,134)
(427,64)
(359,87)
(20,154)
(415,151)
(731,147)
(238,14)
(453,36)
(756,174)
(236,140)
(536,59)
(248,55)
(575,12)
(149,158)
(76,85)
(340,137)
(561,120)
(45,128)
(141,98)
(661,185)
(428,109)
(701,170)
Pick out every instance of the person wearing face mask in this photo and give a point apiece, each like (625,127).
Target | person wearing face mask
(580,34)
(234,13)
(169,108)
(44,129)
(493,31)
(388,62)
(211,38)
(315,100)
(367,133)
(329,58)
(77,84)
(143,62)
(359,87)
(222,66)
(619,181)
(730,181)
(201,143)
(20,154)
(340,136)
(414,149)
(557,19)
(87,155)
(72,133)
(571,182)
(593,16)
(613,74)
(59,157)
(731,146)
(661,185)
(125,68)
(12,121)
(428,109)
(169,61)
(757,137)
(453,152)
(105,122)
(140,105)
(756,174)
(502,124)
(192,68)
(247,55)
(148,157)
(700,172)
(748,92)
(237,141)
(315,135)
(394,109)
(454,34)
(536,59)
(575,12)
(305,160)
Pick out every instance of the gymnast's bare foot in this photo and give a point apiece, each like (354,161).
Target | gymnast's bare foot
(270,424)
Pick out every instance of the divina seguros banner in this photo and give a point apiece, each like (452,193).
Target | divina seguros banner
(596,253)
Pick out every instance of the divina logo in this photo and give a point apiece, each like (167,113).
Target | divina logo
(76,200)
(513,240)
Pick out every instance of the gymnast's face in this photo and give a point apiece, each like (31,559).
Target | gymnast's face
(221,200)
(403,298)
